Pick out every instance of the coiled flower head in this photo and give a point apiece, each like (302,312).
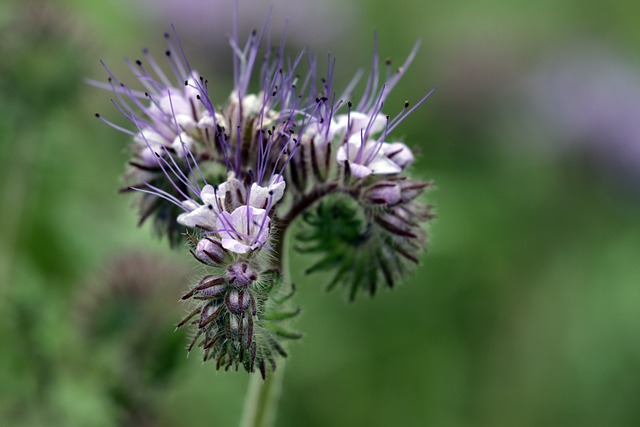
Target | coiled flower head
(233,177)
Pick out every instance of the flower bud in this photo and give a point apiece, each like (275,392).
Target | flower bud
(237,301)
(412,189)
(241,275)
(209,251)
(384,193)
(399,154)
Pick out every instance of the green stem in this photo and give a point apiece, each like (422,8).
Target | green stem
(261,402)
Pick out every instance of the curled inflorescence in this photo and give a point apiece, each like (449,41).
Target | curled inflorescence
(233,176)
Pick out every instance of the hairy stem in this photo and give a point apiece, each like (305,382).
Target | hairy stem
(261,402)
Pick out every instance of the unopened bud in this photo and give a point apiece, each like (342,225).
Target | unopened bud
(237,301)
(241,275)
(209,251)
(412,189)
(384,193)
(399,154)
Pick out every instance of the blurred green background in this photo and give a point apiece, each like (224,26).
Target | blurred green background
(524,312)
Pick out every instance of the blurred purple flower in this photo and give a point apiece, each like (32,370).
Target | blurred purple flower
(309,23)
(588,98)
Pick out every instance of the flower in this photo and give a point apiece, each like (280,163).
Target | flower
(246,228)
(231,176)
(365,158)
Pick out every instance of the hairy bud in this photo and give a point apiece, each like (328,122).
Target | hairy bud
(209,251)
(384,193)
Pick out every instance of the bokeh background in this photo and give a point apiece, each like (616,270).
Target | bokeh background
(524,313)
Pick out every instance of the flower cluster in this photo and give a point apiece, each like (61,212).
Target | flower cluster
(232,177)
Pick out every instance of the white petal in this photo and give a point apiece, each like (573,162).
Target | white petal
(208,195)
(182,144)
(259,196)
(359,171)
(190,205)
(381,165)
(186,122)
(235,246)
(202,217)
(148,137)
(341,155)
(359,122)
(251,105)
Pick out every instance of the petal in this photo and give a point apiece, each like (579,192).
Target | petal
(208,195)
(186,122)
(259,196)
(202,217)
(235,246)
(341,155)
(359,171)
(381,165)
(182,144)
(360,121)
(399,153)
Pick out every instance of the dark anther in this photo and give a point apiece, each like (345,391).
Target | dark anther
(324,99)
(349,104)
(186,82)
(406,104)
(146,94)
(138,62)
(318,100)
(109,79)
(254,33)
(210,206)
(387,61)
(274,93)
(98,115)
(197,96)
(166,35)
(168,53)
(271,192)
